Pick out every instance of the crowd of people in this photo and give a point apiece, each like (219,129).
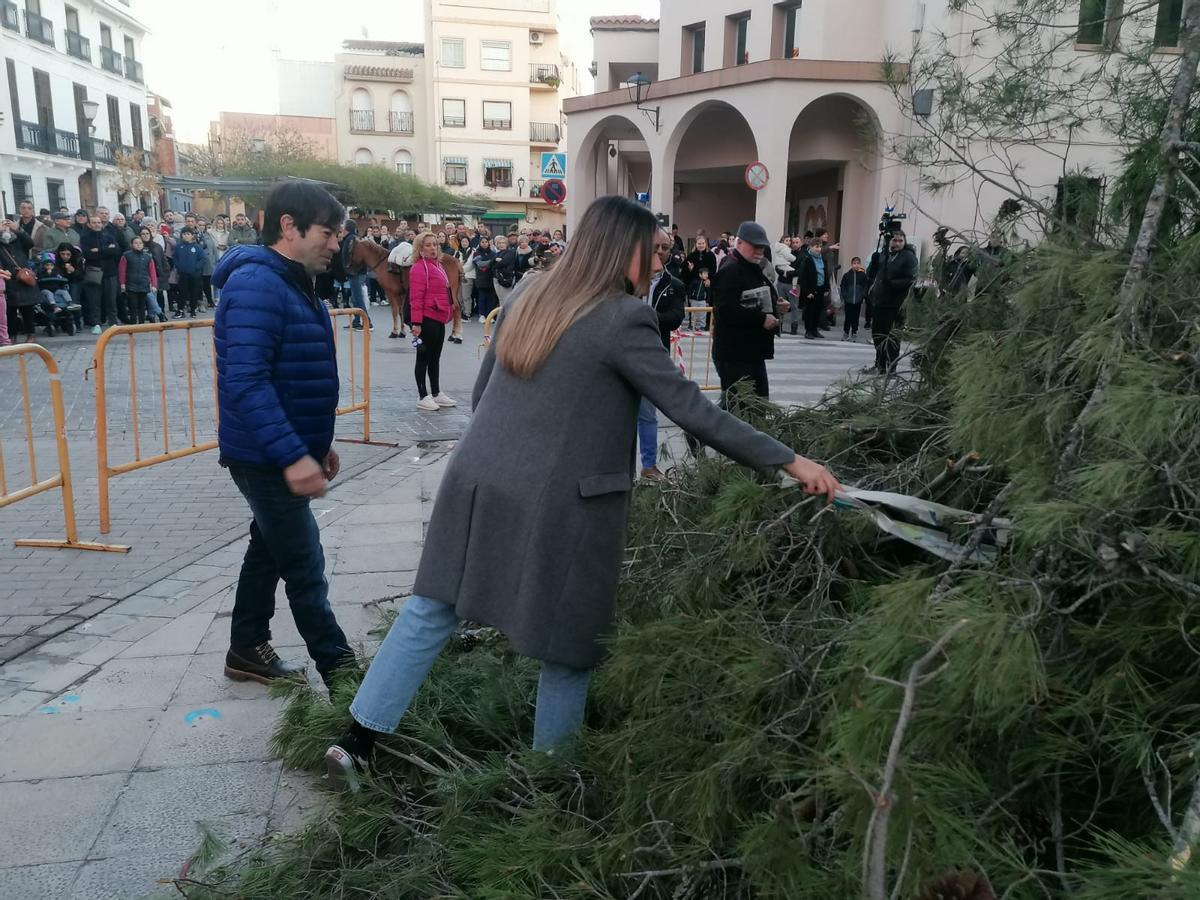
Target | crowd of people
(63,273)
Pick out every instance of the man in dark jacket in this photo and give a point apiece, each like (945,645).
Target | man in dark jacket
(854,291)
(745,307)
(895,272)
(101,250)
(277,381)
(668,298)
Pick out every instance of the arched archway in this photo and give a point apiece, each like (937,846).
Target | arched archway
(363,157)
(708,152)
(403,160)
(612,158)
(361,99)
(833,175)
(400,113)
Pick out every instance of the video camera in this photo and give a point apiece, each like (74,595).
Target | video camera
(889,223)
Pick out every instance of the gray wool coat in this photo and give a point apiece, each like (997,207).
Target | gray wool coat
(528,530)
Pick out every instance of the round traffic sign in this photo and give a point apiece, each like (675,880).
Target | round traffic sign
(554,191)
(757,176)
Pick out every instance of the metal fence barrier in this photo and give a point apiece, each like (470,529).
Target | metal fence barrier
(63,478)
(692,349)
(489,325)
(359,360)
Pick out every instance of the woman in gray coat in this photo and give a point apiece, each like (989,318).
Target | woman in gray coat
(528,529)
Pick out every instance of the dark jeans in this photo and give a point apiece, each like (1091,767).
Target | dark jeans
(375,292)
(21,320)
(285,542)
(100,302)
(190,287)
(733,372)
(429,357)
(487,300)
(850,313)
(814,312)
(887,345)
(206,288)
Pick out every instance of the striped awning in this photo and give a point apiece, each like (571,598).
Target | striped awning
(454,160)
(497,163)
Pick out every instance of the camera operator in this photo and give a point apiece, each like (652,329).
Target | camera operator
(892,274)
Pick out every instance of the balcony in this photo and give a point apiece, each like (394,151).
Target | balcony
(54,141)
(10,18)
(362,120)
(454,121)
(102,150)
(401,122)
(110,61)
(535,190)
(78,46)
(497,124)
(66,143)
(544,75)
(543,133)
(133,70)
(39,28)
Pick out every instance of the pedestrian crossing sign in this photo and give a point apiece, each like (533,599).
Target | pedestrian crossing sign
(554,165)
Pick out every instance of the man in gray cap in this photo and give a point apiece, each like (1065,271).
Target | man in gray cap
(746,308)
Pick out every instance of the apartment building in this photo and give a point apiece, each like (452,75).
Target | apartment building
(62,62)
(683,104)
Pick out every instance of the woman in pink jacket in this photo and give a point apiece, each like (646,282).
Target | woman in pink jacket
(429,299)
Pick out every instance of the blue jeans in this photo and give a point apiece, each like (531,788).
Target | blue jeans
(358,292)
(648,433)
(285,542)
(408,653)
(152,304)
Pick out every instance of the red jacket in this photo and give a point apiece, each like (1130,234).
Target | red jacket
(429,292)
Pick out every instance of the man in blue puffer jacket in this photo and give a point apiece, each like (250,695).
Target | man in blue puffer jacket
(277,381)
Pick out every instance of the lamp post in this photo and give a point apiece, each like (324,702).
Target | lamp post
(91,109)
(639,90)
(521,186)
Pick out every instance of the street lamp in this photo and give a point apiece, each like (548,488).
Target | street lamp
(91,109)
(521,186)
(639,89)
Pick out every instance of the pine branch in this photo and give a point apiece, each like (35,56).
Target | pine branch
(875,846)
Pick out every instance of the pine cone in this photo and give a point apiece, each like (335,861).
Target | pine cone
(958,885)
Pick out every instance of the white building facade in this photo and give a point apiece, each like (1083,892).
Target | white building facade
(798,87)
(56,56)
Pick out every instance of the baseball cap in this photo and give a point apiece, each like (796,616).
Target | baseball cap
(753,233)
(61,214)
(81,212)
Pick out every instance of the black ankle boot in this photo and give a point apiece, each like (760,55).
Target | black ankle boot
(260,663)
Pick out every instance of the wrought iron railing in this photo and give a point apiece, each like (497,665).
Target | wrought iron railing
(544,73)
(110,61)
(66,143)
(362,120)
(133,70)
(401,122)
(39,28)
(498,124)
(543,133)
(79,46)
(10,16)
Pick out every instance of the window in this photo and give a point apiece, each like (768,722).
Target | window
(495,56)
(57,192)
(1169,24)
(497,115)
(737,30)
(114,121)
(452,53)
(106,37)
(13,97)
(693,49)
(1100,21)
(72,19)
(454,170)
(497,173)
(454,113)
(129,54)
(363,157)
(34,7)
(44,101)
(1077,203)
(22,189)
(400,116)
(404,162)
(362,110)
(135,120)
(791,31)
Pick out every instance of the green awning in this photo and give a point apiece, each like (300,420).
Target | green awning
(500,216)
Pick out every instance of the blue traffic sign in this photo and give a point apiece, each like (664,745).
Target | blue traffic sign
(554,192)
(554,165)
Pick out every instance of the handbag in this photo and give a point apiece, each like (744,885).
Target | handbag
(92,275)
(23,274)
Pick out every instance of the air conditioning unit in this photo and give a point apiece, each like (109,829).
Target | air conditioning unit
(536,37)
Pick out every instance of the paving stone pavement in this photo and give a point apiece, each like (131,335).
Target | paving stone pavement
(120,738)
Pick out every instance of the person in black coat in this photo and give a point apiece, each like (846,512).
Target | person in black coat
(895,272)
(745,310)
(667,298)
(699,260)
(101,252)
(854,290)
(22,299)
(812,289)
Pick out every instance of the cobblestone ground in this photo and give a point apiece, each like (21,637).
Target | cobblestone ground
(174,513)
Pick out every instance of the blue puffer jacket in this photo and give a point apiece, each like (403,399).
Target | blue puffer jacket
(276,367)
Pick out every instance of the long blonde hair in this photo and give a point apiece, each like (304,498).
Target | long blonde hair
(595,267)
(419,242)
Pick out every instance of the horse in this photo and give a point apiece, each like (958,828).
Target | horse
(366,254)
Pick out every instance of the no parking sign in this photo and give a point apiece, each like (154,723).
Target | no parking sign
(554,192)
(757,176)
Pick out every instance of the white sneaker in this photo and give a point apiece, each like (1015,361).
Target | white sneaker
(482,319)
(96,329)
(428,404)
(443,400)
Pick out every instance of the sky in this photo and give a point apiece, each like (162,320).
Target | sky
(222,58)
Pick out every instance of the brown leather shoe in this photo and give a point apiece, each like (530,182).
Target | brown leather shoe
(654,474)
(261,664)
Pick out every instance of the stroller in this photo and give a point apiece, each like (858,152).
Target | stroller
(61,316)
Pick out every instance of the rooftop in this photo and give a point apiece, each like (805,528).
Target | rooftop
(623,23)
(377,73)
(387,48)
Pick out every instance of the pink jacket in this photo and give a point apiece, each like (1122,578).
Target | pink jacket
(429,292)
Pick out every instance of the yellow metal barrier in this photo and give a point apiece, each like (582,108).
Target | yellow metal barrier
(360,398)
(686,358)
(63,478)
(488,324)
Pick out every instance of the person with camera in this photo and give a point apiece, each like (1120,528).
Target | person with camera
(895,270)
(745,313)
